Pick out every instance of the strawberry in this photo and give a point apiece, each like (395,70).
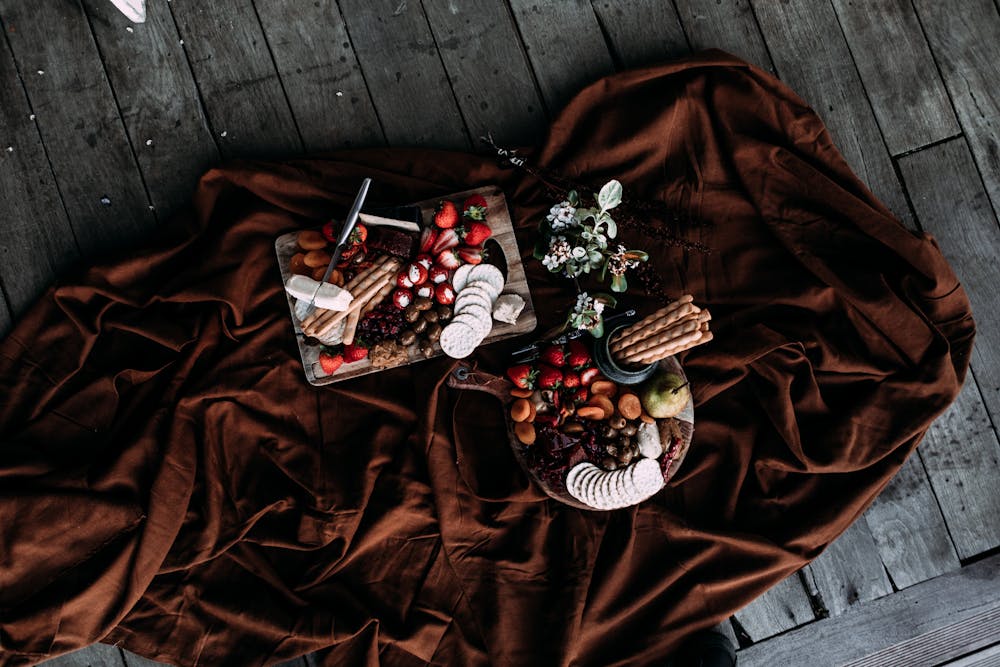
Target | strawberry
(447,238)
(571,379)
(553,355)
(354,352)
(416,273)
(522,375)
(579,354)
(427,238)
(444,294)
(330,231)
(437,274)
(446,216)
(425,260)
(401,298)
(474,207)
(549,377)
(475,233)
(330,362)
(449,259)
(358,235)
(588,375)
(403,280)
(581,395)
(471,255)
(426,290)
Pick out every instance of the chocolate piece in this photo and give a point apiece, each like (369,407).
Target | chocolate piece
(391,241)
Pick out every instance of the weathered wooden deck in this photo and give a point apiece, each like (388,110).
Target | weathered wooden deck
(105,126)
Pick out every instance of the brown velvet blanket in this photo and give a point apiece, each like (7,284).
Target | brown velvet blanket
(169,482)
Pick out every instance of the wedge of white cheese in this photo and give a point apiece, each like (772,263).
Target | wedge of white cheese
(328,296)
(507,308)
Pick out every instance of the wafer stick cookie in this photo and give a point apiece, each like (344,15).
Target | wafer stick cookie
(666,321)
(705,337)
(650,319)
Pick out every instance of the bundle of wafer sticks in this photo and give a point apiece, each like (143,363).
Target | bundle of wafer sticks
(674,328)
(370,288)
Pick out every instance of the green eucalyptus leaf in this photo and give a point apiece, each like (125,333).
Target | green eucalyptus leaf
(612,228)
(610,195)
(598,331)
(573,198)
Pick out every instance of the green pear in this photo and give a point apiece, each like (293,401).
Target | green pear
(664,395)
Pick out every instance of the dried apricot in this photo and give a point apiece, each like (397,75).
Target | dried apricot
(604,387)
(525,432)
(517,392)
(629,405)
(604,403)
(520,410)
(594,412)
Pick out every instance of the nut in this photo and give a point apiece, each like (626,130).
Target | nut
(431,315)
(444,312)
(630,430)
(411,314)
(609,463)
(617,422)
(433,332)
(426,348)
(423,303)
(420,325)
(572,427)
(609,432)
(408,337)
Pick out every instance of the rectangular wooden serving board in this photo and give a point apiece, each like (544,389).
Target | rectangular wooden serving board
(498,218)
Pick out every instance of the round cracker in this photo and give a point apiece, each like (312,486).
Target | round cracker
(473,323)
(487,273)
(458,340)
(475,296)
(484,286)
(461,277)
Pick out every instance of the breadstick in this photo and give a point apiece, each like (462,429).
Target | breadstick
(355,317)
(379,298)
(665,349)
(664,337)
(680,313)
(382,271)
(650,319)
(323,314)
(705,337)
(351,327)
(356,305)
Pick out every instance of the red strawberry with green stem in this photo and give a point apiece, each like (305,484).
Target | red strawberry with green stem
(449,259)
(588,375)
(581,395)
(549,377)
(475,233)
(578,354)
(446,216)
(428,238)
(571,379)
(447,238)
(474,207)
(330,362)
(523,376)
(553,355)
(471,255)
(355,352)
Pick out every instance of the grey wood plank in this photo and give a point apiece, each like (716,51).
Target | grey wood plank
(962,456)
(405,76)
(908,528)
(236,76)
(726,628)
(965,40)
(95,655)
(728,25)
(36,239)
(565,46)
(641,32)
(895,63)
(783,607)
(850,571)
(158,99)
(488,70)
(320,73)
(811,55)
(85,140)
(989,657)
(135,660)
(961,449)
(922,626)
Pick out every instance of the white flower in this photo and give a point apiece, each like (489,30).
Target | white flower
(561,216)
(559,253)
